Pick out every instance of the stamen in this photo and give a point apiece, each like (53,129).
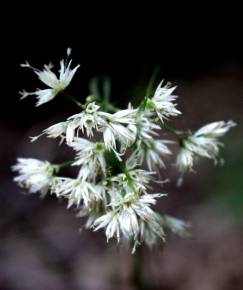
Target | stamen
(69,50)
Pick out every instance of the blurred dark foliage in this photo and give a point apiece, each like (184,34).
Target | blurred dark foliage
(41,247)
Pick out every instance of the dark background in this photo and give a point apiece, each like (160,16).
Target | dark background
(40,244)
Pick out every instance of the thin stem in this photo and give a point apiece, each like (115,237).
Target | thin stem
(168,128)
(73,100)
(152,80)
(149,88)
(172,130)
(180,135)
(65,164)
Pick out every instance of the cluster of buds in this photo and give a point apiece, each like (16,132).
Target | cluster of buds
(118,154)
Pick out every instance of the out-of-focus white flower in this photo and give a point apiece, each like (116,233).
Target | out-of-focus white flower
(215,129)
(203,143)
(34,174)
(184,160)
(151,233)
(90,154)
(75,190)
(50,79)
(163,102)
(176,225)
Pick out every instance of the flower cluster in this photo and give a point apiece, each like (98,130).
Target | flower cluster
(118,155)
(203,143)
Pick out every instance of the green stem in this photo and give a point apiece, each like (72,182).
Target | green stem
(181,136)
(169,128)
(73,100)
(65,164)
(172,130)
(152,80)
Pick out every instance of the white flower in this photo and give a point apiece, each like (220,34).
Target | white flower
(176,225)
(144,128)
(43,96)
(126,216)
(126,116)
(49,78)
(90,154)
(115,127)
(109,138)
(75,190)
(54,131)
(147,147)
(142,206)
(88,120)
(70,132)
(109,221)
(153,151)
(162,102)
(203,143)
(139,179)
(184,160)
(36,175)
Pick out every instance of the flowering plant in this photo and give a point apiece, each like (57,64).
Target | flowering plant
(113,146)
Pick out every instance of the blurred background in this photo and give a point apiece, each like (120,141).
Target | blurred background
(41,247)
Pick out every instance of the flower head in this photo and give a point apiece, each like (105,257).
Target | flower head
(34,174)
(203,143)
(153,151)
(184,160)
(49,78)
(86,121)
(116,127)
(75,190)
(126,216)
(91,155)
(163,102)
